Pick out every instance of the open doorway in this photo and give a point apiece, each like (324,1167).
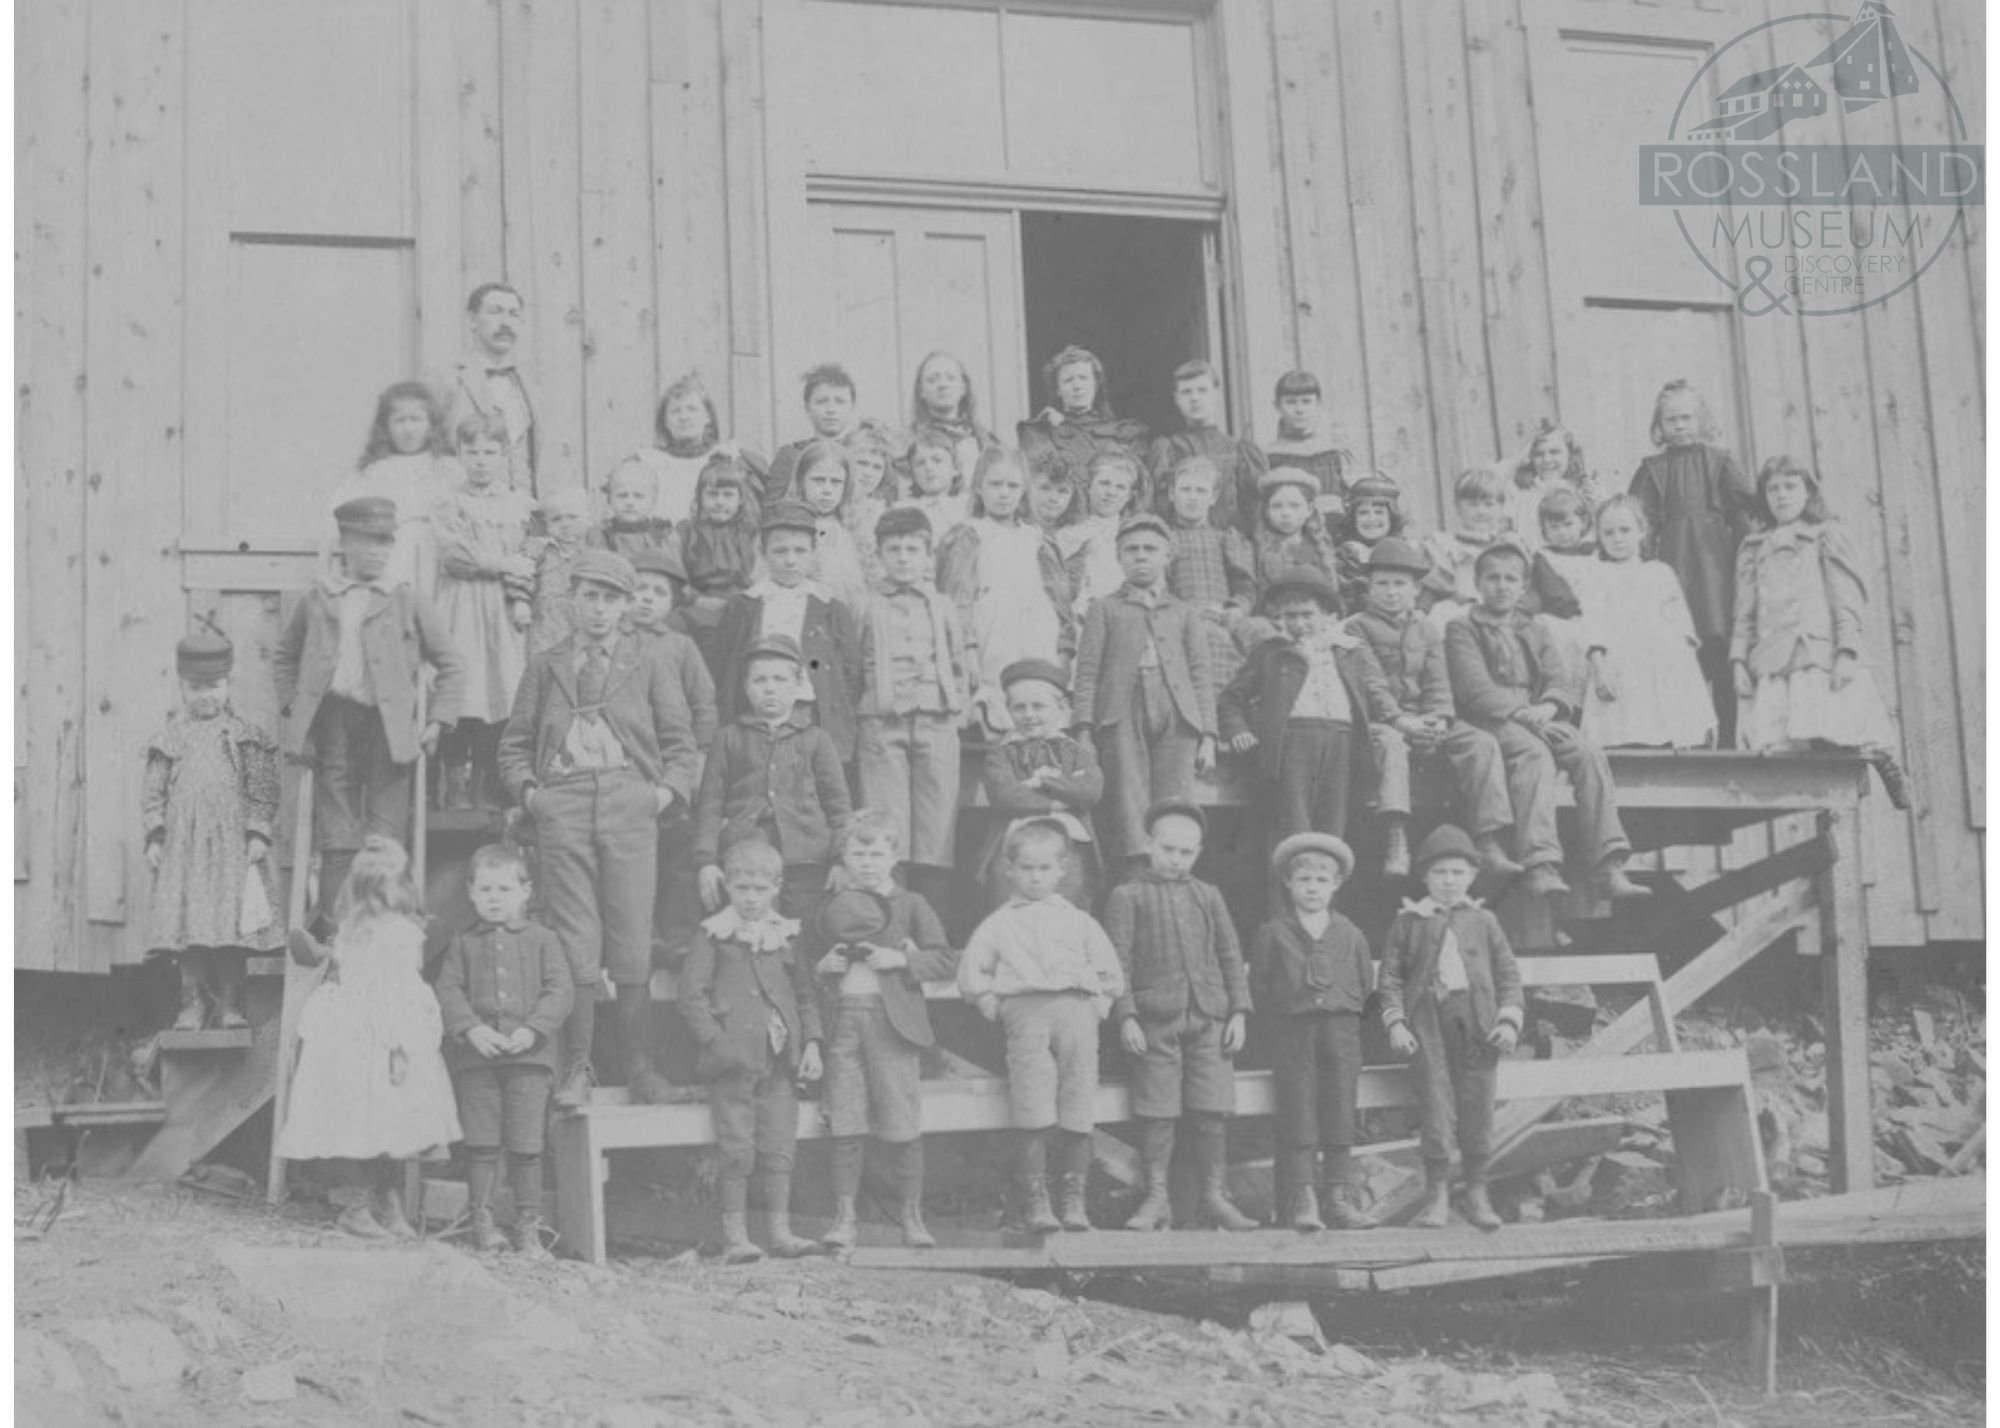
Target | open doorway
(1132,290)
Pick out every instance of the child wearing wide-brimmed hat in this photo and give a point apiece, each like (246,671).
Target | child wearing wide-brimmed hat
(1309,976)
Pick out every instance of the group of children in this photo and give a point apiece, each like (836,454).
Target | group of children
(732,715)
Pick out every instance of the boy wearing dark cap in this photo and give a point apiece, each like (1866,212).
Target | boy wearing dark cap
(1144,693)
(1451,998)
(1183,1013)
(1309,976)
(914,692)
(788,601)
(1411,653)
(347,672)
(775,775)
(1510,678)
(1303,703)
(1040,772)
(600,746)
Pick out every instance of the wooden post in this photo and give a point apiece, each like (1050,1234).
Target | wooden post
(1763,1292)
(1843,919)
(299,982)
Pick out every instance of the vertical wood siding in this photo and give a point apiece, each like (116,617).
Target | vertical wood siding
(610,158)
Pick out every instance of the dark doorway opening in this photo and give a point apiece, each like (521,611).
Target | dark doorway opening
(1132,290)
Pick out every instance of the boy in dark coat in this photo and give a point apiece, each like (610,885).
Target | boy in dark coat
(749,1001)
(503,990)
(1303,703)
(1510,679)
(1183,1014)
(1423,721)
(772,774)
(1040,772)
(1309,975)
(1144,695)
(347,670)
(1451,998)
(599,747)
(871,970)
(788,602)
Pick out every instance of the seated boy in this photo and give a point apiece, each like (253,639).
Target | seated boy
(1306,441)
(1182,1016)
(1040,773)
(1510,679)
(872,1002)
(1479,506)
(1213,569)
(1144,695)
(1309,976)
(1198,397)
(1451,997)
(1302,703)
(914,691)
(749,1001)
(1424,722)
(788,602)
(772,774)
(1043,969)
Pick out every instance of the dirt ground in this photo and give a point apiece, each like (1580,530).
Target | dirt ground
(165,1306)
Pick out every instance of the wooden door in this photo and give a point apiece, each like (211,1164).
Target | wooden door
(897,283)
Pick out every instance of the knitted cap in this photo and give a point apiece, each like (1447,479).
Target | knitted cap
(1022,670)
(1395,553)
(1447,840)
(205,654)
(902,521)
(1334,848)
(790,516)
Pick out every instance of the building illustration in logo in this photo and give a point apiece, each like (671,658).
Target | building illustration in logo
(1758,105)
(1869,62)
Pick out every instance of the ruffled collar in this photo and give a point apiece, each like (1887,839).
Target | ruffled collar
(770,933)
(1431,907)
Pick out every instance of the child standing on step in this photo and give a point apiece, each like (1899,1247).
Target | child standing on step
(1309,974)
(370,1089)
(1042,968)
(1796,646)
(872,947)
(749,1002)
(1182,1016)
(1451,998)
(504,989)
(210,797)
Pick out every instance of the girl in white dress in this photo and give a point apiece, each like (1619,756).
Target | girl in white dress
(1005,574)
(406,458)
(1645,685)
(370,1089)
(1795,645)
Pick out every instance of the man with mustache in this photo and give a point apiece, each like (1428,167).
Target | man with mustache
(487,380)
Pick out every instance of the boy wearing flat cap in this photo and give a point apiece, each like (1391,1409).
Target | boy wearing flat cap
(1303,703)
(347,671)
(1144,694)
(1309,975)
(1039,772)
(1183,1014)
(1423,721)
(599,748)
(775,775)
(1451,998)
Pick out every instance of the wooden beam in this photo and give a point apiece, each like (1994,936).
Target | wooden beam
(1843,940)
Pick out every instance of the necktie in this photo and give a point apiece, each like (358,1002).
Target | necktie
(590,687)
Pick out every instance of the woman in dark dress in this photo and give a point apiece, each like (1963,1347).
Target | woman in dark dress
(1078,423)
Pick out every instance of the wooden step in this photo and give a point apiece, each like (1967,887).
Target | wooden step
(98,1113)
(271,965)
(238,1039)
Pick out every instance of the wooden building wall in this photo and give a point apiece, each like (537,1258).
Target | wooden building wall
(1404,213)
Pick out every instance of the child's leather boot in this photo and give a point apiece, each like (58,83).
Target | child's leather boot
(777,1191)
(736,1246)
(1031,1183)
(1342,1204)
(1212,1146)
(480,1175)
(840,1234)
(229,992)
(910,1181)
(1072,1206)
(1396,849)
(194,996)
(1493,859)
(1156,1211)
(1437,1198)
(1302,1210)
(528,1237)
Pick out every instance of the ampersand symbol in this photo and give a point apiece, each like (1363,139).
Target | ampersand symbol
(1757,268)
